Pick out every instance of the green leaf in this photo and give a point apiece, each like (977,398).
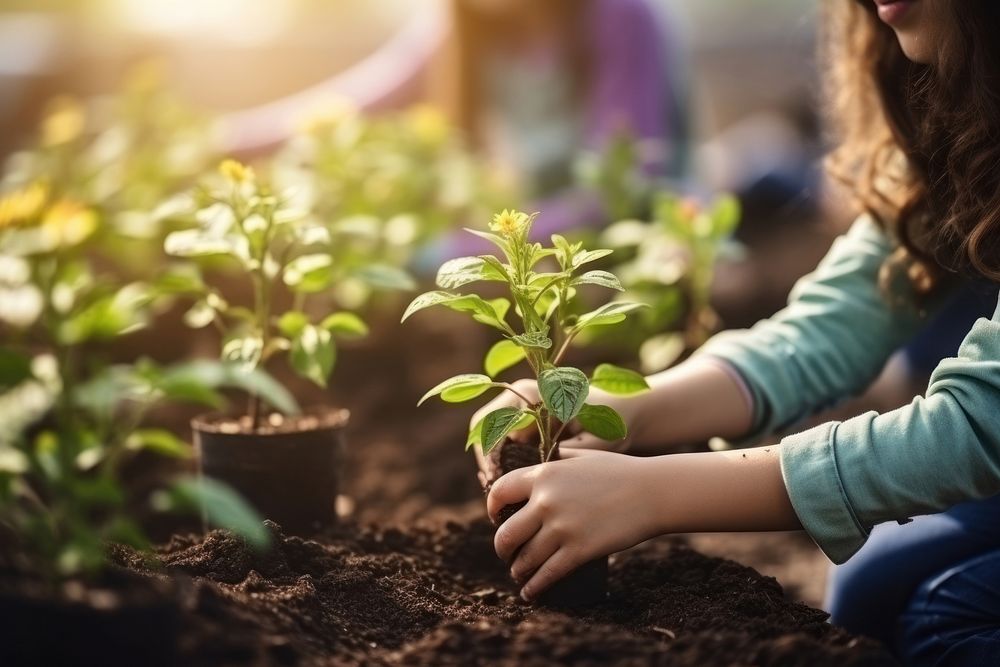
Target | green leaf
(602,278)
(535,339)
(15,368)
(159,441)
(309,273)
(725,216)
(464,270)
(345,324)
(619,381)
(313,354)
(195,380)
(460,388)
(243,351)
(564,391)
(383,276)
(502,356)
(292,323)
(222,507)
(482,310)
(588,256)
(602,421)
(609,313)
(426,300)
(196,243)
(200,315)
(497,424)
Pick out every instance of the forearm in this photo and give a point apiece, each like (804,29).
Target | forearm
(689,403)
(720,492)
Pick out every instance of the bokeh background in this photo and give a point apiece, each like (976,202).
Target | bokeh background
(754,90)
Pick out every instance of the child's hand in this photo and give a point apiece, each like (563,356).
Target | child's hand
(587,505)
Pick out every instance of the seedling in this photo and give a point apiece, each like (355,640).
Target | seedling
(284,252)
(675,256)
(542,303)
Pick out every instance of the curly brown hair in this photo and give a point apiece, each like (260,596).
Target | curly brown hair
(919,145)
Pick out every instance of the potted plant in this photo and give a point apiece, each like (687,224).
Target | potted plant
(542,302)
(286,463)
(672,268)
(69,426)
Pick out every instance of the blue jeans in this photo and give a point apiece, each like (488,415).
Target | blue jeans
(929,589)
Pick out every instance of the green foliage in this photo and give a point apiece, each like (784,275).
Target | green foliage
(279,247)
(671,268)
(388,184)
(542,287)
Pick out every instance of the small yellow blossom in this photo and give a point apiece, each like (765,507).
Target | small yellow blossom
(23,206)
(236,171)
(511,224)
(68,223)
(64,122)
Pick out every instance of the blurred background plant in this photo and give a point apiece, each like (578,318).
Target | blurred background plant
(289,256)
(671,267)
(69,421)
(387,186)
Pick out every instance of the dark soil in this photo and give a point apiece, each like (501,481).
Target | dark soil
(437,595)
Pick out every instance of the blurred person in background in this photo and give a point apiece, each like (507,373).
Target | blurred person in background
(907,498)
(531,84)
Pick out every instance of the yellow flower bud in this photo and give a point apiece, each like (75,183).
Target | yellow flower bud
(236,171)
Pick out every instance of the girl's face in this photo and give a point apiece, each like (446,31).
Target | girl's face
(920,25)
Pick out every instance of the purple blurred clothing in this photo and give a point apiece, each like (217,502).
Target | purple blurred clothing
(632,89)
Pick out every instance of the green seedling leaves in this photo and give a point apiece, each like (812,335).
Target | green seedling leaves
(159,441)
(609,313)
(602,278)
(503,355)
(345,324)
(460,388)
(313,354)
(482,310)
(602,421)
(564,391)
(464,270)
(243,351)
(495,426)
(535,339)
(619,381)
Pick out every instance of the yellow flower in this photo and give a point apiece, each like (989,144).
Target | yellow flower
(64,123)
(510,224)
(236,171)
(68,223)
(23,206)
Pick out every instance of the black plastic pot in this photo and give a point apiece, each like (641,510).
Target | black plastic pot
(585,586)
(289,473)
(95,626)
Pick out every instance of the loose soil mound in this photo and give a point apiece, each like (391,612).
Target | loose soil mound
(437,595)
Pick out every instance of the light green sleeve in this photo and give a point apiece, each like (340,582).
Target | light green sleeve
(829,343)
(843,478)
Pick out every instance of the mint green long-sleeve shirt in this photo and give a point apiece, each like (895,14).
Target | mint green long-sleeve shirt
(829,343)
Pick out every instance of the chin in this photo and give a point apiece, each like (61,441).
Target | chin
(916,50)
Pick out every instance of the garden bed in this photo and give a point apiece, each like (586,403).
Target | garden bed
(437,595)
